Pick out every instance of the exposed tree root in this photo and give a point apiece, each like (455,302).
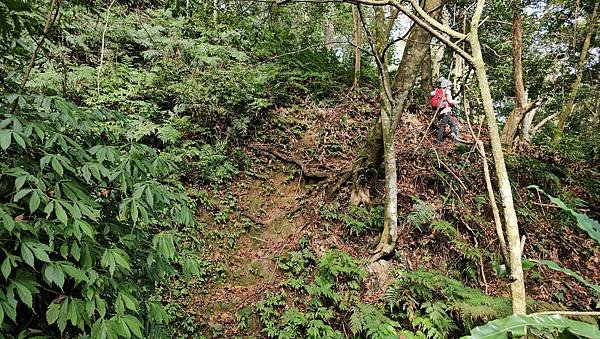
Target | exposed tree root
(307,173)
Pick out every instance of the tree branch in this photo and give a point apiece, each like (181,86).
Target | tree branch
(444,28)
(50,19)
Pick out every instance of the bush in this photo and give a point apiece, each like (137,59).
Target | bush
(86,221)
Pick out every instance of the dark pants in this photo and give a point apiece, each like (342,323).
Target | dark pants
(445,120)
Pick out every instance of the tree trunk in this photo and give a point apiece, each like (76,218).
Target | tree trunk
(516,116)
(357,42)
(438,52)
(215,10)
(426,74)
(371,155)
(389,235)
(568,109)
(517,285)
(328,28)
(526,126)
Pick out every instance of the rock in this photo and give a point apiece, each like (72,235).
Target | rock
(380,274)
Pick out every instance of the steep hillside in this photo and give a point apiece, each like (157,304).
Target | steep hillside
(268,231)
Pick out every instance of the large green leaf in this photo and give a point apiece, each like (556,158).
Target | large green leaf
(516,324)
(557,267)
(589,225)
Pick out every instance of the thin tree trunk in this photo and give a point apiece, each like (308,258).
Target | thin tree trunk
(491,196)
(357,42)
(389,234)
(99,71)
(525,133)
(568,109)
(328,28)
(517,285)
(215,10)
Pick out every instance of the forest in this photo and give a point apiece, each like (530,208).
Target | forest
(284,169)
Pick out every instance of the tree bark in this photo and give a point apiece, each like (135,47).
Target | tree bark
(516,116)
(426,74)
(568,109)
(357,43)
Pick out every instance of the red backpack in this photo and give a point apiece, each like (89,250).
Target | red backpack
(437,100)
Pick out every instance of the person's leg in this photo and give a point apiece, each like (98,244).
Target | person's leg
(443,123)
(454,127)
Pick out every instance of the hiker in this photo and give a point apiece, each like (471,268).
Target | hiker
(442,101)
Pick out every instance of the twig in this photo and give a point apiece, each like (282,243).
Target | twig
(256,238)
(454,175)
(50,19)
(426,130)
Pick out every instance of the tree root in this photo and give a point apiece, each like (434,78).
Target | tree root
(382,250)
(307,173)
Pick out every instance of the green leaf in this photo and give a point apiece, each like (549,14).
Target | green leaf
(149,197)
(7,220)
(60,213)
(119,305)
(134,325)
(86,228)
(130,302)
(75,273)
(49,208)
(40,251)
(121,260)
(72,312)
(75,251)
(10,310)
(62,317)
(19,140)
(27,254)
(500,328)
(20,194)
(6,268)
(5,139)
(52,313)
(56,166)
(19,182)
(24,293)
(34,201)
(591,226)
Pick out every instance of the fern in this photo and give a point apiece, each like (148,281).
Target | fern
(468,304)
(371,321)
(422,214)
